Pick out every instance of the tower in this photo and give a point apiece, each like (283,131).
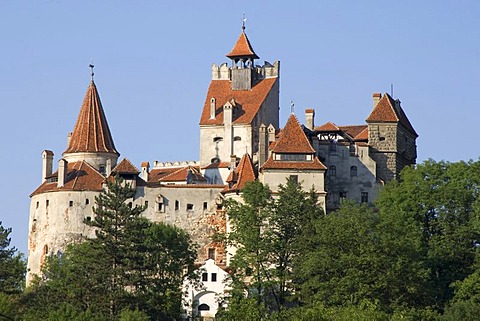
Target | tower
(64,200)
(241,97)
(391,137)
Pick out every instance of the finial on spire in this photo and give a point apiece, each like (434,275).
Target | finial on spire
(292,107)
(243,21)
(91,68)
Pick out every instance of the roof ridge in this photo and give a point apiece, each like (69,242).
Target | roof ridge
(293,139)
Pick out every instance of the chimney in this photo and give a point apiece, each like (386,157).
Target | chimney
(376,98)
(309,118)
(47,161)
(262,145)
(108,168)
(212,108)
(233,162)
(62,172)
(145,171)
(271,133)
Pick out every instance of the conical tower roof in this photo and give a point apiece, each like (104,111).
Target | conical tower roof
(242,48)
(91,133)
(292,139)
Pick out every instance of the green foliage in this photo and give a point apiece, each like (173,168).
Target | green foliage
(132,270)
(12,265)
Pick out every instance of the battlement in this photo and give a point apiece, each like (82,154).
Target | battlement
(223,72)
(157,164)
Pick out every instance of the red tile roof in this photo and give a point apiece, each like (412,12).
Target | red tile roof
(125,167)
(292,139)
(327,127)
(242,48)
(306,165)
(242,174)
(217,165)
(385,112)
(91,132)
(363,135)
(248,101)
(176,175)
(81,176)
(353,130)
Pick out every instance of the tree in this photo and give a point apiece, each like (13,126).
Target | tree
(12,265)
(441,200)
(133,264)
(269,233)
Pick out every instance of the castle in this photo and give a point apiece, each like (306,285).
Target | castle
(240,141)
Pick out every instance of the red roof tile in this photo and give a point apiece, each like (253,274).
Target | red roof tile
(242,48)
(248,101)
(91,132)
(306,165)
(327,127)
(353,130)
(217,165)
(125,167)
(385,111)
(292,139)
(363,135)
(180,175)
(242,174)
(81,176)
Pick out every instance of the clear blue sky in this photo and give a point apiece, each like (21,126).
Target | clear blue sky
(153,65)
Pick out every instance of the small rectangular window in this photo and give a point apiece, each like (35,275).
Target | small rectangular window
(189,207)
(211,254)
(214,277)
(146,203)
(38,203)
(205,206)
(47,202)
(160,207)
(177,205)
(87,201)
(294,178)
(204,277)
(364,197)
(70,203)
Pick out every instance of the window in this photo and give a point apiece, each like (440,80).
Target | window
(88,218)
(294,178)
(364,197)
(146,203)
(217,139)
(38,203)
(87,201)
(204,277)
(203,307)
(343,195)
(214,277)
(177,205)
(45,249)
(47,202)
(332,170)
(205,206)
(70,203)
(101,169)
(130,204)
(292,157)
(160,207)
(211,254)
(353,171)
(237,138)
(189,207)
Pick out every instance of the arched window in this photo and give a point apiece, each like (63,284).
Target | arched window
(203,307)
(353,171)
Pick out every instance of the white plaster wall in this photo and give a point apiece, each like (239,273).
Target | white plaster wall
(57,225)
(94,159)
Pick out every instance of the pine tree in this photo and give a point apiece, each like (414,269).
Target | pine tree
(12,264)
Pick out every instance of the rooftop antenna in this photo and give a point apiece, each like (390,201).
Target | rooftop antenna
(91,68)
(292,107)
(243,21)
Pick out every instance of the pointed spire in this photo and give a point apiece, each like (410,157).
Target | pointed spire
(242,48)
(91,133)
(292,139)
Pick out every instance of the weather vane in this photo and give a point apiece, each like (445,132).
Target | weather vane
(91,68)
(243,21)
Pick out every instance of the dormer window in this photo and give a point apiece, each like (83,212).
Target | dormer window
(101,169)
(293,157)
